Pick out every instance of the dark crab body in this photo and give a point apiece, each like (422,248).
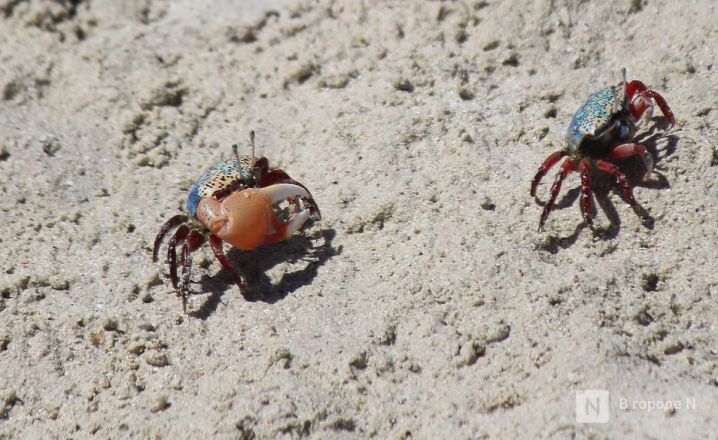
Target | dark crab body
(595,135)
(234,202)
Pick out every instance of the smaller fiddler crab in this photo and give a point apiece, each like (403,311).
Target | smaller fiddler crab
(598,131)
(236,201)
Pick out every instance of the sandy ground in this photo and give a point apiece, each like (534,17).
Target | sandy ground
(425,304)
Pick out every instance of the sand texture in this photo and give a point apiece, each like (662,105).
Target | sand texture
(425,304)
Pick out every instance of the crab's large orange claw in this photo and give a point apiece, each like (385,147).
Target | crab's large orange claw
(279,176)
(283,191)
(246,218)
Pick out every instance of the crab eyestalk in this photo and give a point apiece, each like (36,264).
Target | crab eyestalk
(246,219)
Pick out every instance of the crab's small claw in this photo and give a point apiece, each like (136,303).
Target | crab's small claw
(641,100)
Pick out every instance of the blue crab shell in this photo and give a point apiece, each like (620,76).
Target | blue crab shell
(224,177)
(595,115)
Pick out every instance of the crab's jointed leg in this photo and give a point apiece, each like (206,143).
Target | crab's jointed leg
(216,245)
(627,150)
(186,262)
(168,226)
(586,192)
(620,177)
(566,168)
(177,239)
(545,167)
(191,243)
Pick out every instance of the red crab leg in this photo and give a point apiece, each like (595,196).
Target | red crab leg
(179,237)
(627,150)
(616,172)
(663,105)
(193,241)
(586,198)
(168,226)
(216,244)
(566,168)
(544,168)
(186,262)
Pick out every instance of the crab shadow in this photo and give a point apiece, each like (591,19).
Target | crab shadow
(299,250)
(604,184)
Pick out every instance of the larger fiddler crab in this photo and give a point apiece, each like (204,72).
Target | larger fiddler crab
(236,201)
(598,131)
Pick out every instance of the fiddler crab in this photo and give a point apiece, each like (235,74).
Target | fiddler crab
(608,117)
(236,201)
